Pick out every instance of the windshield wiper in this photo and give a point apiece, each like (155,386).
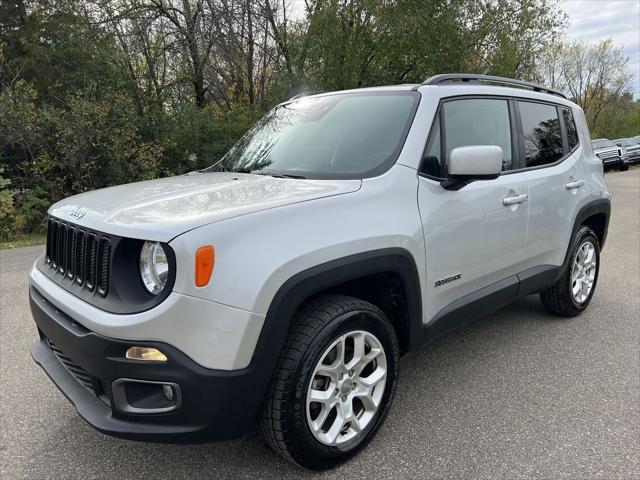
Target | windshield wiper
(279,175)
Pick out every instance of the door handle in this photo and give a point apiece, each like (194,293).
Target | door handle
(575,184)
(507,201)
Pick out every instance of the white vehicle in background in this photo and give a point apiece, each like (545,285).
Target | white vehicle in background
(611,155)
(631,147)
(281,285)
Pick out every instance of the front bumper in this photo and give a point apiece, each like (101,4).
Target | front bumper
(215,404)
(214,335)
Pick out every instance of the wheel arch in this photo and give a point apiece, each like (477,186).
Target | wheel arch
(595,215)
(325,278)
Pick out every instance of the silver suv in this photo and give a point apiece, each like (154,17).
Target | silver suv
(280,286)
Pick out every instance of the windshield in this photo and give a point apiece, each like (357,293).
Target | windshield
(625,142)
(602,144)
(350,135)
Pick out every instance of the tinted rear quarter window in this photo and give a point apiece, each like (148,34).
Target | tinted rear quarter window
(541,130)
(570,125)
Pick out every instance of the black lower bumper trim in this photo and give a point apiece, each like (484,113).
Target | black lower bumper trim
(216,404)
(96,413)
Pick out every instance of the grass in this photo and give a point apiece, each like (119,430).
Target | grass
(25,241)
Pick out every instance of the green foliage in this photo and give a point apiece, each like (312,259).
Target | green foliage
(6,207)
(628,123)
(30,212)
(6,197)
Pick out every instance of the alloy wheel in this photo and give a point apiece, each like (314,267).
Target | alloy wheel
(583,272)
(346,387)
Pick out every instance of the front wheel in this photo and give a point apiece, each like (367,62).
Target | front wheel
(624,167)
(334,383)
(570,295)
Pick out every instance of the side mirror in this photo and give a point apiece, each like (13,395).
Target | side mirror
(475,162)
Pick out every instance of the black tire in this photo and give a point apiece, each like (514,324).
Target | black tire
(559,299)
(624,167)
(318,323)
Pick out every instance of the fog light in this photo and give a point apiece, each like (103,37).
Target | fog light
(145,397)
(168,392)
(146,354)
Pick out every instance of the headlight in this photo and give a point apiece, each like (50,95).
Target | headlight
(154,267)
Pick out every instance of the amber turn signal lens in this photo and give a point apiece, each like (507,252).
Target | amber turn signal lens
(146,353)
(205,258)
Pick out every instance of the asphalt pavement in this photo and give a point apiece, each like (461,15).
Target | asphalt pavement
(519,394)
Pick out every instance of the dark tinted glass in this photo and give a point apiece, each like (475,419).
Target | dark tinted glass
(570,125)
(478,121)
(542,137)
(432,164)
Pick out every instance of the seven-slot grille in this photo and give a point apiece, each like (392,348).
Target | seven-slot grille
(79,255)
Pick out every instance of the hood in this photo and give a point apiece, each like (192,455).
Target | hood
(162,209)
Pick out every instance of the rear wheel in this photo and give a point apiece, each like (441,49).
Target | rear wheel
(334,384)
(572,293)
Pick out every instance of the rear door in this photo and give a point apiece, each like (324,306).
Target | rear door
(550,150)
(473,240)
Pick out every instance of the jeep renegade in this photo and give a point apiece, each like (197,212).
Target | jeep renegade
(280,286)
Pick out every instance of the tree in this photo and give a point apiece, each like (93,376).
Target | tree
(596,77)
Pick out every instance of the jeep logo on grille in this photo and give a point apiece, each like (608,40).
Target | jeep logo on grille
(78,212)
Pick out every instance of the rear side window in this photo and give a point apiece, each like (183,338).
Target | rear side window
(570,125)
(478,121)
(541,130)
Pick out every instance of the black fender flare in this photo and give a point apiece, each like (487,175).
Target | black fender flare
(302,286)
(600,206)
(312,281)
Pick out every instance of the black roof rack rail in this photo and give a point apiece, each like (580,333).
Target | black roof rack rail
(473,78)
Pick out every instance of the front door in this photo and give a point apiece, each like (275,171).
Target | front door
(475,237)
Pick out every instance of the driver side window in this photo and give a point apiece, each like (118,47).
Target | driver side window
(478,121)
